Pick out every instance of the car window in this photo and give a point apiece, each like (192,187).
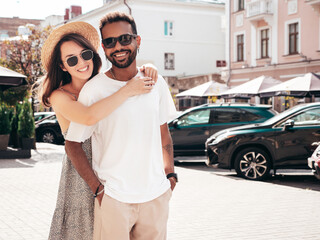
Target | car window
(310,117)
(227,115)
(195,118)
(281,115)
(53,117)
(38,117)
(250,117)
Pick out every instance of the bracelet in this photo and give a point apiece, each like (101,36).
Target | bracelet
(100,192)
(96,193)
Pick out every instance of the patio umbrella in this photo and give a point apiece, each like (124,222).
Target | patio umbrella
(303,86)
(210,88)
(9,78)
(250,88)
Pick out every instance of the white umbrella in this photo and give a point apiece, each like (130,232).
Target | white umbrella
(9,78)
(298,87)
(250,88)
(210,88)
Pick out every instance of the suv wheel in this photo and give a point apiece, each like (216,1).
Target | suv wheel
(252,163)
(48,136)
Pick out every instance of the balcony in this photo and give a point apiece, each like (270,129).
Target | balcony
(260,10)
(315,4)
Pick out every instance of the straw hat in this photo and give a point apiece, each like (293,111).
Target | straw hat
(82,28)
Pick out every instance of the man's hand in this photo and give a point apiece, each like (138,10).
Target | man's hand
(173,182)
(167,151)
(99,198)
(101,195)
(80,162)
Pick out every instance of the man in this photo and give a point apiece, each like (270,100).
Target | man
(133,170)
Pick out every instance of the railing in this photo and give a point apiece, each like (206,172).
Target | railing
(259,7)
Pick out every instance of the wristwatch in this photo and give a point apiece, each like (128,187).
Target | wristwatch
(173,175)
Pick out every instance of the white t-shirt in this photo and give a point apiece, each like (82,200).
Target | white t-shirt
(126,145)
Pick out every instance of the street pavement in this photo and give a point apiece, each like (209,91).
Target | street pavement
(207,203)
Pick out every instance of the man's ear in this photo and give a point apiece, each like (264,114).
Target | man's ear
(138,39)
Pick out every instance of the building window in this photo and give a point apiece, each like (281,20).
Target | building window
(221,63)
(264,43)
(168,28)
(240,5)
(169,61)
(240,47)
(293,38)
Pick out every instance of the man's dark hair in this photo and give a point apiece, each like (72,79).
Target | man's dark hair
(113,17)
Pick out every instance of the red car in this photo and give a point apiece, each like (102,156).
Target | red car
(314,161)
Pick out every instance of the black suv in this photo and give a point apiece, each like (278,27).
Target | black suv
(284,141)
(48,130)
(192,128)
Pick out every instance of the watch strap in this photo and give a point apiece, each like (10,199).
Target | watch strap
(173,175)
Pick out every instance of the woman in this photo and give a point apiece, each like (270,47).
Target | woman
(70,58)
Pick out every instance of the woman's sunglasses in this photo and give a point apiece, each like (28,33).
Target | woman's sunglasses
(124,40)
(85,55)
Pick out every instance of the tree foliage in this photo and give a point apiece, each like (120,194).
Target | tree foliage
(26,121)
(25,54)
(25,58)
(5,119)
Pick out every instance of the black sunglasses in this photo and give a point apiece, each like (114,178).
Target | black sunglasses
(124,40)
(85,55)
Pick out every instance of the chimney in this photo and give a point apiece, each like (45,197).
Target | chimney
(67,14)
(76,11)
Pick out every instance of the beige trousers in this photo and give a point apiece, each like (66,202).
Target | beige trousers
(115,220)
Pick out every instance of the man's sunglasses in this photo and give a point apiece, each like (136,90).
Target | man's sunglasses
(124,40)
(85,55)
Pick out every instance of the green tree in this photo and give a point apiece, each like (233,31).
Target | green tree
(25,58)
(26,121)
(5,119)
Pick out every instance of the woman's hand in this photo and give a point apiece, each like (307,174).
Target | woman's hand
(150,70)
(139,85)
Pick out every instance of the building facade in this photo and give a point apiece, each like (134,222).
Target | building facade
(276,38)
(9,27)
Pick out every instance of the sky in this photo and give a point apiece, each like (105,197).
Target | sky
(40,9)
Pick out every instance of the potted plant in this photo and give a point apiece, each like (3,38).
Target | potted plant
(26,125)
(5,126)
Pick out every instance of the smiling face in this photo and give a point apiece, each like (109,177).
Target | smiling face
(120,56)
(83,69)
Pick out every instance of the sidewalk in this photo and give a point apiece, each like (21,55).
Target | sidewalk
(28,193)
(206,205)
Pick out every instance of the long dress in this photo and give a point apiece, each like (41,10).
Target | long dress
(74,213)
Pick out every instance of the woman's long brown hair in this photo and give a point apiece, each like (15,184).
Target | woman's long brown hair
(56,77)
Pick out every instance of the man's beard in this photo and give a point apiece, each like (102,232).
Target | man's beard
(132,57)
